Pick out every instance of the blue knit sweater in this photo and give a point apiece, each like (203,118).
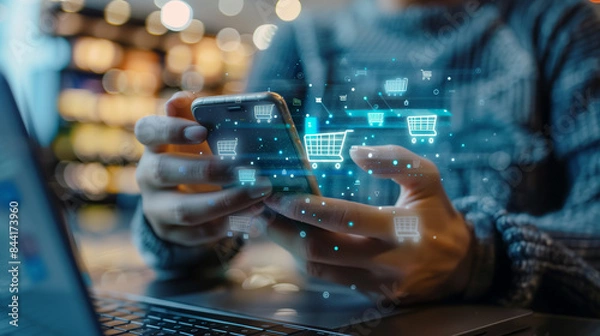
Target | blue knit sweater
(515,85)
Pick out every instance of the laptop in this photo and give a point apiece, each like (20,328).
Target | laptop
(46,291)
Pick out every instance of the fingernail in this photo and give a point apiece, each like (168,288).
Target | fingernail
(260,190)
(195,133)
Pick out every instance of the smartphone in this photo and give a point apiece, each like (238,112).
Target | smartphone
(255,131)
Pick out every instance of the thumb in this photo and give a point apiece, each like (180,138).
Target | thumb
(404,167)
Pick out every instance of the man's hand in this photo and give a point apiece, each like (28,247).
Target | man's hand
(170,182)
(366,246)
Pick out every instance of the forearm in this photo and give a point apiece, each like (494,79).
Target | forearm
(517,264)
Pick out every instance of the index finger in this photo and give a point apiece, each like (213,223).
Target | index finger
(338,215)
(158,131)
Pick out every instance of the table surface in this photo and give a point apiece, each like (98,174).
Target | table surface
(115,265)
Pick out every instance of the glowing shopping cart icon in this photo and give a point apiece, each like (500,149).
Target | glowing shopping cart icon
(247,176)
(396,87)
(422,126)
(263,112)
(426,74)
(407,227)
(325,147)
(227,148)
(240,224)
(375,118)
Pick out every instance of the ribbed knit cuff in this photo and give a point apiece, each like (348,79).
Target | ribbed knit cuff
(481,215)
(170,259)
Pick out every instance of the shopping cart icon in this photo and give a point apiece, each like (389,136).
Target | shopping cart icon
(263,112)
(241,224)
(396,87)
(375,118)
(407,227)
(247,176)
(422,126)
(325,147)
(227,148)
(426,74)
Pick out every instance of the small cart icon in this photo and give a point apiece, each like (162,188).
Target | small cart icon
(426,74)
(375,118)
(396,87)
(247,176)
(227,148)
(263,112)
(325,147)
(422,126)
(407,227)
(240,224)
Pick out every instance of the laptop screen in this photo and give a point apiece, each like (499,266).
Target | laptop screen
(43,289)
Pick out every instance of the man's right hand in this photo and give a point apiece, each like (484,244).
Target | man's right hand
(186,216)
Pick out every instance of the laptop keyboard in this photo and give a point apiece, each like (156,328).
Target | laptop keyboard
(124,318)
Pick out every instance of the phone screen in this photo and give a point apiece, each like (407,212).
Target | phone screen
(254,135)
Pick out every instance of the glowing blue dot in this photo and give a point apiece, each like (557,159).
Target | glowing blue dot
(370,172)
(326,295)
(280,152)
(350,224)
(350,172)
(335,248)
(395,162)
(302,234)
(365,98)
(463,145)
(409,166)
(303,212)
(259,139)
(275,139)
(353,287)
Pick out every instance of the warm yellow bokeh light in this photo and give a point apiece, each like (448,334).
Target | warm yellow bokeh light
(288,10)
(117,12)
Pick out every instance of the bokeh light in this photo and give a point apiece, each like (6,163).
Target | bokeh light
(231,7)
(193,33)
(228,39)
(176,15)
(263,35)
(288,10)
(117,12)
(153,24)
(72,6)
(179,58)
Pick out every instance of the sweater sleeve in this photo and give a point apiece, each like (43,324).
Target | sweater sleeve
(171,260)
(551,262)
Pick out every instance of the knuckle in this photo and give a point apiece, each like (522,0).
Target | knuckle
(225,202)
(312,250)
(182,214)
(159,170)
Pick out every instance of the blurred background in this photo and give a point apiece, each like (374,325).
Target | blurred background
(84,71)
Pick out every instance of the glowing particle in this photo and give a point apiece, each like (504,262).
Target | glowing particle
(463,145)
(395,162)
(350,224)
(452,159)
(409,166)
(280,152)
(370,155)
(353,287)
(323,203)
(370,172)
(434,237)
(336,248)
(307,200)
(302,234)
(303,212)
(326,295)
